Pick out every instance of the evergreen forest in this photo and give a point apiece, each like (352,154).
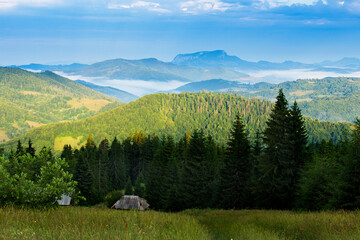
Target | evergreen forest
(279,168)
(173,115)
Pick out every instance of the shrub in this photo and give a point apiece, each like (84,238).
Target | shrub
(113,196)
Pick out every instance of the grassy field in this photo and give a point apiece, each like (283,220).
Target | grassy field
(93,223)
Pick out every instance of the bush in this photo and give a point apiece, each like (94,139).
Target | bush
(34,181)
(113,196)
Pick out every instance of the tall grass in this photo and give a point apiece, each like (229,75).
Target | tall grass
(93,223)
(265,224)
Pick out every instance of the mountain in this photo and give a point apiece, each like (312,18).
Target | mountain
(219,58)
(328,99)
(42,67)
(28,100)
(110,91)
(345,62)
(173,114)
(152,69)
(220,85)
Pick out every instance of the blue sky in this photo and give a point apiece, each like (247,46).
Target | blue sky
(65,31)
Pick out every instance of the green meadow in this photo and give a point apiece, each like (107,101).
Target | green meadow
(98,223)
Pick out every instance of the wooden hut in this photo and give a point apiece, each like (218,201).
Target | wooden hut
(127,202)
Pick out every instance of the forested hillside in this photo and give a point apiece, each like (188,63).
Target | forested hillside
(328,99)
(173,114)
(30,100)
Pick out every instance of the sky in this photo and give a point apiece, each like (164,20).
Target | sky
(87,31)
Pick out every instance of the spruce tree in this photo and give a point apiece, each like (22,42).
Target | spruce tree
(192,178)
(30,149)
(67,154)
(19,149)
(117,168)
(298,139)
(128,187)
(103,166)
(347,191)
(235,176)
(275,186)
(84,178)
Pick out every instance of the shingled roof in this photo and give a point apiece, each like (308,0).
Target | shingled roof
(131,202)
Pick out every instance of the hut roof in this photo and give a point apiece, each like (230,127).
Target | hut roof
(131,202)
(65,200)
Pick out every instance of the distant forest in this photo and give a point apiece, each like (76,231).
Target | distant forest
(277,169)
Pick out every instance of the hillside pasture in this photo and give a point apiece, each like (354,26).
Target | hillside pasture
(91,104)
(3,136)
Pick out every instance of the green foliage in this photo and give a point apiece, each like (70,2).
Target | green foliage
(176,114)
(34,181)
(280,163)
(113,196)
(235,175)
(327,99)
(129,188)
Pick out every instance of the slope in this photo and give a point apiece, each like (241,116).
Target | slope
(110,91)
(328,99)
(173,114)
(30,100)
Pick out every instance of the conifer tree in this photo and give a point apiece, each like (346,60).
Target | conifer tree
(298,139)
(156,184)
(192,178)
(275,186)
(117,168)
(139,188)
(103,166)
(67,154)
(19,149)
(347,191)
(83,178)
(30,148)
(128,187)
(235,176)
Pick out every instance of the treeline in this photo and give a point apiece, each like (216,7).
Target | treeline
(174,114)
(278,170)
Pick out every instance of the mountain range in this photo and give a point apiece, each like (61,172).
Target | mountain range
(194,67)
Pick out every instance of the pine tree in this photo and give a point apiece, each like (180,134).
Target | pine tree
(84,178)
(117,168)
(275,185)
(347,191)
(192,178)
(103,166)
(67,154)
(90,144)
(128,187)
(156,184)
(30,148)
(19,149)
(139,188)
(235,176)
(298,139)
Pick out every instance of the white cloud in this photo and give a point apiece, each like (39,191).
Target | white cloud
(278,3)
(7,4)
(198,6)
(150,6)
